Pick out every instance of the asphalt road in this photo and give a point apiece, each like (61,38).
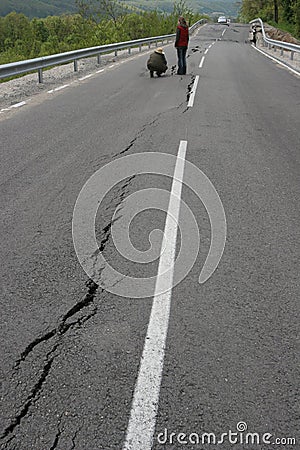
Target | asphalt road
(70,349)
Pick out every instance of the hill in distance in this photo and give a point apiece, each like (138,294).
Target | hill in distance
(226,7)
(44,8)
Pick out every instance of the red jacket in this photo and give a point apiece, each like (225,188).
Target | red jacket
(182,36)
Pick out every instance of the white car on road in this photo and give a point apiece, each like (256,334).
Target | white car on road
(222,19)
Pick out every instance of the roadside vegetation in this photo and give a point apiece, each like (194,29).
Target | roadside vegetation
(23,38)
(283,14)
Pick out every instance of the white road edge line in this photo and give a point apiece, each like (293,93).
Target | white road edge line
(61,87)
(17,105)
(201,62)
(205,53)
(276,60)
(193,92)
(146,395)
(86,76)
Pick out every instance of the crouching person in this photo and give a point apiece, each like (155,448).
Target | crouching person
(157,62)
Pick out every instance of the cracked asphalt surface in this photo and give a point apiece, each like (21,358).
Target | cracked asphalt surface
(70,351)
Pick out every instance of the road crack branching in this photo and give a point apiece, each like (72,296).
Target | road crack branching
(190,87)
(138,135)
(63,326)
(189,91)
(58,333)
(74,439)
(57,436)
(30,399)
(54,445)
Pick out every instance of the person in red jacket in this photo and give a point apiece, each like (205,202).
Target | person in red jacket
(181,44)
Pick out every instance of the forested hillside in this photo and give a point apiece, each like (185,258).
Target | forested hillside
(44,8)
(228,7)
(284,14)
(22,38)
(37,8)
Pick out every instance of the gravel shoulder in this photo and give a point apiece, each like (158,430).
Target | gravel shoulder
(22,89)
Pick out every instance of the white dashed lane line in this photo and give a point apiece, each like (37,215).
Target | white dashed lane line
(193,92)
(205,53)
(201,62)
(142,420)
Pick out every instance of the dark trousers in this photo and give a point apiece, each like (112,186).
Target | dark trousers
(181,54)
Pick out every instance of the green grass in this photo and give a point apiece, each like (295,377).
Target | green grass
(284,26)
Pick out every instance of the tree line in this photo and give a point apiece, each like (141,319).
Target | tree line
(23,38)
(284,13)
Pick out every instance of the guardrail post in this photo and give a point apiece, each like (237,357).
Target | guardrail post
(75,65)
(281,51)
(149,45)
(99,59)
(129,50)
(40,72)
(116,52)
(140,48)
(292,56)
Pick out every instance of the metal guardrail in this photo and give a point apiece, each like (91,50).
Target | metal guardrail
(280,44)
(29,65)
